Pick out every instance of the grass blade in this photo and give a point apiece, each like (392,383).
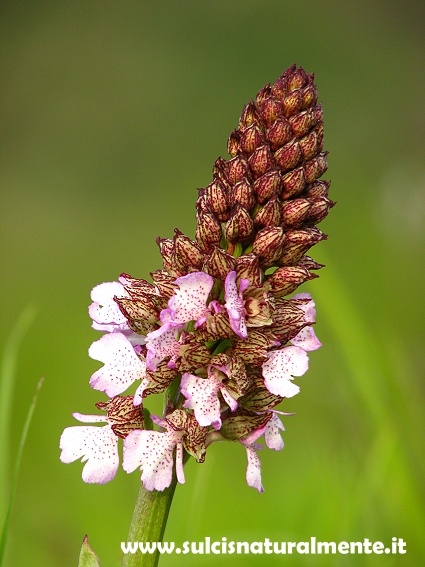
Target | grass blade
(16,469)
(7,381)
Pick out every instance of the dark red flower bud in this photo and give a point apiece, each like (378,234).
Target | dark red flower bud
(292,103)
(258,397)
(201,202)
(166,249)
(251,139)
(288,320)
(194,354)
(249,116)
(217,326)
(270,109)
(309,263)
(233,143)
(240,423)
(279,88)
(310,145)
(302,122)
(248,267)
(279,133)
(208,232)
(240,226)
(160,379)
(261,160)
(216,200)
(285,280)
(236,169)
(263,94)
(253,349)
(294,212)
(297,79)
(317,189)
(316,167)
(268,244)
(136,286)
(297,243)
(187,253)
(141,313)
(269,214)
(293,183)
(289,155)
(319,209)
(243,194)
(219,263)
(309,96)
(123,416)
(164,283)
(267,186)
(220,172)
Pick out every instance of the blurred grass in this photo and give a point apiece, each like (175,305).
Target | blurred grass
(7,380)
(111,117)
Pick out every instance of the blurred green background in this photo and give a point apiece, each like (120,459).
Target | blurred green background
(112,115)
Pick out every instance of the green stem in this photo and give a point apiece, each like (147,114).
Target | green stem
(148,523)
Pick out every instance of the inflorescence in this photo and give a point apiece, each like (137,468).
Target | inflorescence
(215,330)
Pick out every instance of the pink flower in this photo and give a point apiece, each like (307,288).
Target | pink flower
(271,432)
(280,368)
(253,470)
(189,303)
(235,304)
(121,367)
(104,310)
(162,343)
(306,338)
(96,445)
(153,452)
(202,396)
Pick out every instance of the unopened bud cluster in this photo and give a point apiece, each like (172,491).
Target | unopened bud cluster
(214,329)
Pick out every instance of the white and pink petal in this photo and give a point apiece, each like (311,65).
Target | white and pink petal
(272,434)
(152,451)
(235,304)
(189,302)
(280,368)
(201,397)
(121,367)
(161,344)
(104,310)
(96,445)
(306,338)
(253,471)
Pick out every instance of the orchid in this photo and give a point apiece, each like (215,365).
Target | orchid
(122,365)
(306,338)
(104,310)
(153,451)
(235,304)
(217,332)
(281,367)
(96,445)
(253,471)
(189,303)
